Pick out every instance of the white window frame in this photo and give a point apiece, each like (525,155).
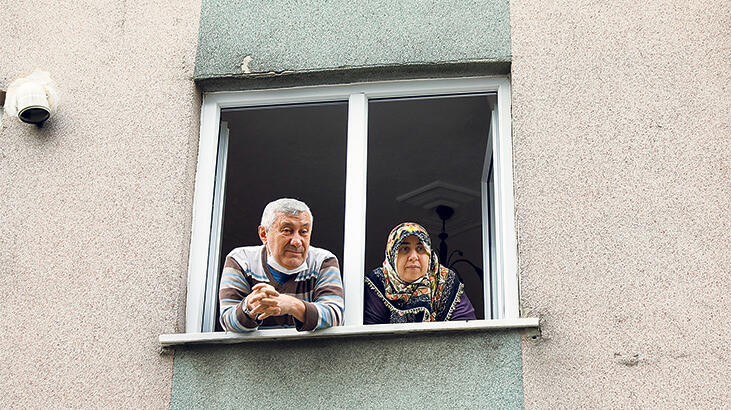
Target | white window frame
(207,209)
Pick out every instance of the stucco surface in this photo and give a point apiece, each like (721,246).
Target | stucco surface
(621,152)
(285,36)
(95,206)
(621,144)
(456,370)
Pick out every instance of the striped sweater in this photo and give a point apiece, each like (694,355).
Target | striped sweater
(319,287)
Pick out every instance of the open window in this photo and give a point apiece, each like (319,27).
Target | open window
(364,157)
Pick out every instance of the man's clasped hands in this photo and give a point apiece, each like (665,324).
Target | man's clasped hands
(265,301)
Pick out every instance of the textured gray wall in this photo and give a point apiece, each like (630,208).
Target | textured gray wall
(620,123)
(457,370)
(282,36)
(95,207)
(621,141)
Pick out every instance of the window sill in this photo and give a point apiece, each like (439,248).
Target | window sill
(344,331)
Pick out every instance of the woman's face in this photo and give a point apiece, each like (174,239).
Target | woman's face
(412,259)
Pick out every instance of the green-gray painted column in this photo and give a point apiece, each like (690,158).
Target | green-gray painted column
(254,44)
(456,370)
(283,36)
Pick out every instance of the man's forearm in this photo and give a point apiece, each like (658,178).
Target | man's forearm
(327,296)
(235,320)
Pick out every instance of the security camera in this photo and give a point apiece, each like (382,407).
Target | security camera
(33,99)
(32,103)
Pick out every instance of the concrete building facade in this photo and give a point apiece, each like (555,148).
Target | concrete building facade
(620,169)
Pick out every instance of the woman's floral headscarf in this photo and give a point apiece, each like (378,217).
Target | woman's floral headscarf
(431,284)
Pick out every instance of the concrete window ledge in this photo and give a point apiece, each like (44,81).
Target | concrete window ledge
(345,331)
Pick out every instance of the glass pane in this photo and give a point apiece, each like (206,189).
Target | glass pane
(295,151)
(424,153)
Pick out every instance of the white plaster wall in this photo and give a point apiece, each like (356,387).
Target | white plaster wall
(95,206)
(621,142)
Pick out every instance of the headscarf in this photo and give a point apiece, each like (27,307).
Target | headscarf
(431,284)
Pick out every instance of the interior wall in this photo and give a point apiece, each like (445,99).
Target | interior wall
(95,206)
(425,152)
(621,151)
(299,151)
(287,151)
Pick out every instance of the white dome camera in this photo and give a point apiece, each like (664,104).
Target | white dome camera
(33,99)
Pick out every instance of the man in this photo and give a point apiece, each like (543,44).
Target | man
(284,282)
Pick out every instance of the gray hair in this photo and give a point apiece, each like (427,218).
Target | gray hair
(287,206)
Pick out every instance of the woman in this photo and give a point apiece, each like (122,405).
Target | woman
(412,286)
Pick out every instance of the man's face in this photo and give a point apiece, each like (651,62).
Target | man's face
(288,239)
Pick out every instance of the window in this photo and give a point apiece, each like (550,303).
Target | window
(344,148)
